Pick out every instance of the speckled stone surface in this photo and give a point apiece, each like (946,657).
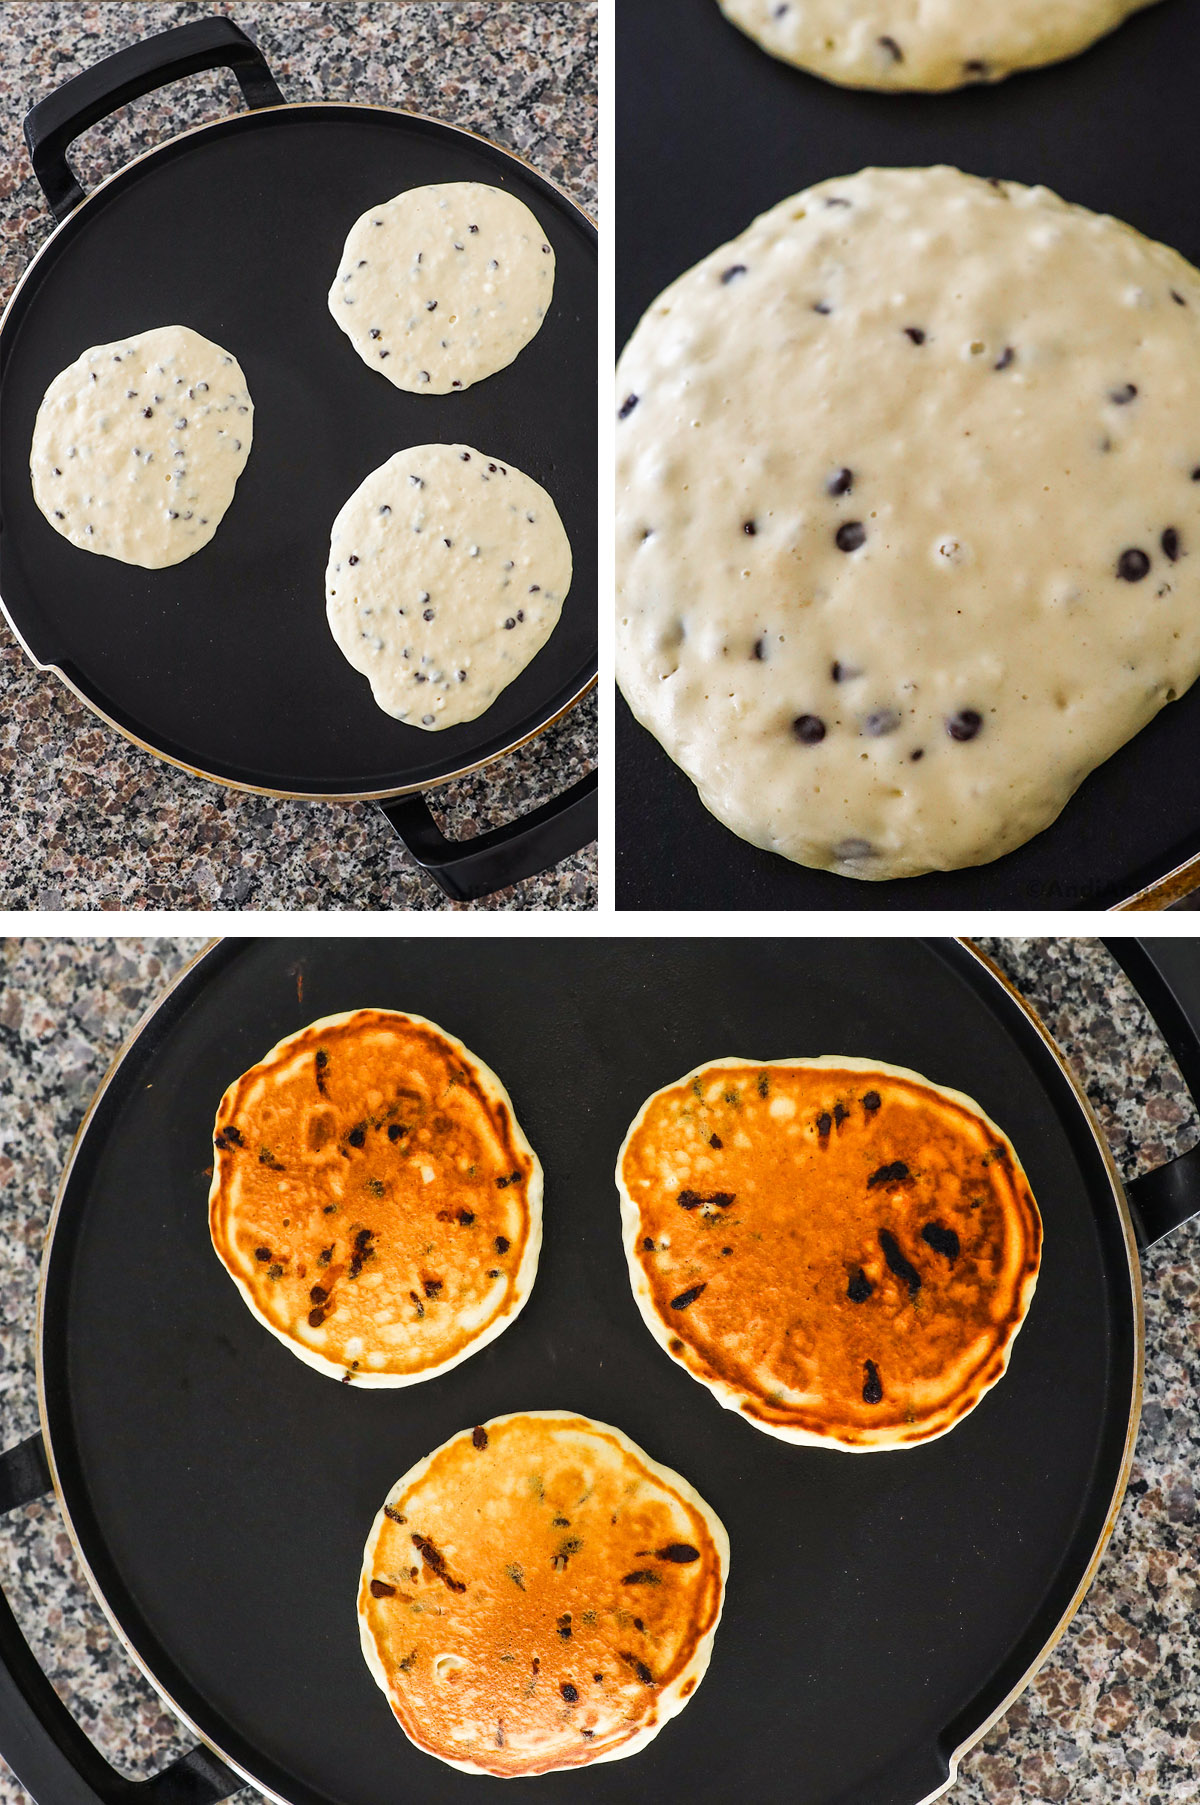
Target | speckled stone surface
(1114,1716)
(88,821)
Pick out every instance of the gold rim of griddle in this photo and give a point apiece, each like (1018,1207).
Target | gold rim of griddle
(180,764)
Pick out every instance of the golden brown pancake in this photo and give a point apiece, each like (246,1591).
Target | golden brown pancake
(374,1199)
(539,1593)
(838,1248)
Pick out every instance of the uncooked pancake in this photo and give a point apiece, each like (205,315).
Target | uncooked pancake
(374,1199)
(138,446)
(838,1248)
(926,44)
(908,508)
(539,1594)
(443,286)
(447,574)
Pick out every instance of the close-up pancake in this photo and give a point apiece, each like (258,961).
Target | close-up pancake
(374,1199)
(907,509)
(924,44)
(539,1593)
(838,1248)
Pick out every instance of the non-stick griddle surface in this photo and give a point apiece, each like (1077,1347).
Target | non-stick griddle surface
(710,132)
(225,662)
(879,1607)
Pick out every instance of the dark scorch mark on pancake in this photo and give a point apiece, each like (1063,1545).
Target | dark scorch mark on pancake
(894,1174)
(693,1200)
(688,1297)
(321,1069)
(436,1562)
(872,1384)
(860,1287)
(898,1263)
(942,1240)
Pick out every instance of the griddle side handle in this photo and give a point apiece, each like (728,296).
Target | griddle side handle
(52,126)
(39,1739)
(1162,1200)
(469,869)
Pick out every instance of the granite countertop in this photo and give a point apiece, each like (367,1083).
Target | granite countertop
(88,820)
(1113,1716)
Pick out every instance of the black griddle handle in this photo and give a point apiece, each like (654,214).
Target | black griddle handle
(469,869)
(52,126)
(39,1739)
(1166,975)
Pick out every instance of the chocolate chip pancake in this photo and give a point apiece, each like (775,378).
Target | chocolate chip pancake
(538,1594)
(374,1199)
(908,500)
(838,1248)
(924,44)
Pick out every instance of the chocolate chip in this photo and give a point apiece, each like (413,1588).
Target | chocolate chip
(714,1140)
(893,49)
(894,1174)
(860,1287)
(916,334)
(809,729)
(898,1262)
(647,1244)
(316,1318)
(623,412)
(964,725)
(688,1297)
(1170,543)
(1124,395)
(881,721)
(850,535)
(381,1590)
(694,1200)
(147,413)
(975,66)
(318,1295)
(1005,358)
(821,307)
(840,483)
(760,649)
(750,528)
(735,269)
(679,1552)
(942,1240)
(1133,565)
(263,1254)
(872,1386)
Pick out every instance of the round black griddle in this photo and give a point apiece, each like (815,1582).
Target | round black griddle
(880,1608)
(710,132)
(224,664)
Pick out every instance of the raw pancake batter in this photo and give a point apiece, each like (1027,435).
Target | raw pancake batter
(139,444)
(924,44)
(443,285)
(447,574)
(908,509)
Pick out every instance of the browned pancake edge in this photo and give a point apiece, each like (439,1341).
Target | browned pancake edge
(321,1213)
(840,1249)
